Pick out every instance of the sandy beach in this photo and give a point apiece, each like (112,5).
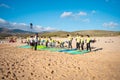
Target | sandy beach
(103,63)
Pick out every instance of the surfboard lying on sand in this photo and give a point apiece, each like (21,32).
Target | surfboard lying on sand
(70,51)
(27,46)
(73,51)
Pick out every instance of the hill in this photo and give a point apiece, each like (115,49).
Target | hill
(83,32)
(55,34)
(5,32)
(10,31)
(97,32)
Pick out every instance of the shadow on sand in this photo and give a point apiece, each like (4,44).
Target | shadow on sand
(97,49)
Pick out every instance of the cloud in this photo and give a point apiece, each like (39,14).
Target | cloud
(71,14)
(4,5)
(3,23)
(24,26)
(2,20)
(82,13)
(39,28)
(93,11)
(66,14)
(110,24)
(77,16)
(86,20)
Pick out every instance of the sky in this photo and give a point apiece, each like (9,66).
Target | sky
(66,15)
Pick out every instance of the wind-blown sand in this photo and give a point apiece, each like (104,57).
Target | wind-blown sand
(26,64)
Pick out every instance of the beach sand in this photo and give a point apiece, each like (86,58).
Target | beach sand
(103,63)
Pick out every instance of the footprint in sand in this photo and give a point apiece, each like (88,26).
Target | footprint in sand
(23,75)
(48,64)
(12,64)
(19,72)
(22,70)
(3,78)
(35,75)
(93,77)
(22,65)
(31,73)
(16,62)
(63,75)
(8,72)
(1,69)
(44,67)
(6,76)
(46,76)
(79,68)
(52,72)
(8,68)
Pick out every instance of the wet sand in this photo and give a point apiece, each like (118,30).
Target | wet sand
(103,63)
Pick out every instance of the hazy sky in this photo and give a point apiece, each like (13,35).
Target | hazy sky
(67,15)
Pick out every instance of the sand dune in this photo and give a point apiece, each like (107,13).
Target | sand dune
(26,64)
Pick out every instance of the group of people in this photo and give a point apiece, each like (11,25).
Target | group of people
(49,42)
(80,41)
(33,41)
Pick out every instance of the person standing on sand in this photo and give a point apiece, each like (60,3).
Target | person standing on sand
(50,42)
(28,40)
(82,42)
(78,42)
(46,41)
(42,41)
(36,39)
(32,42)
(88,43)
(69,41)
